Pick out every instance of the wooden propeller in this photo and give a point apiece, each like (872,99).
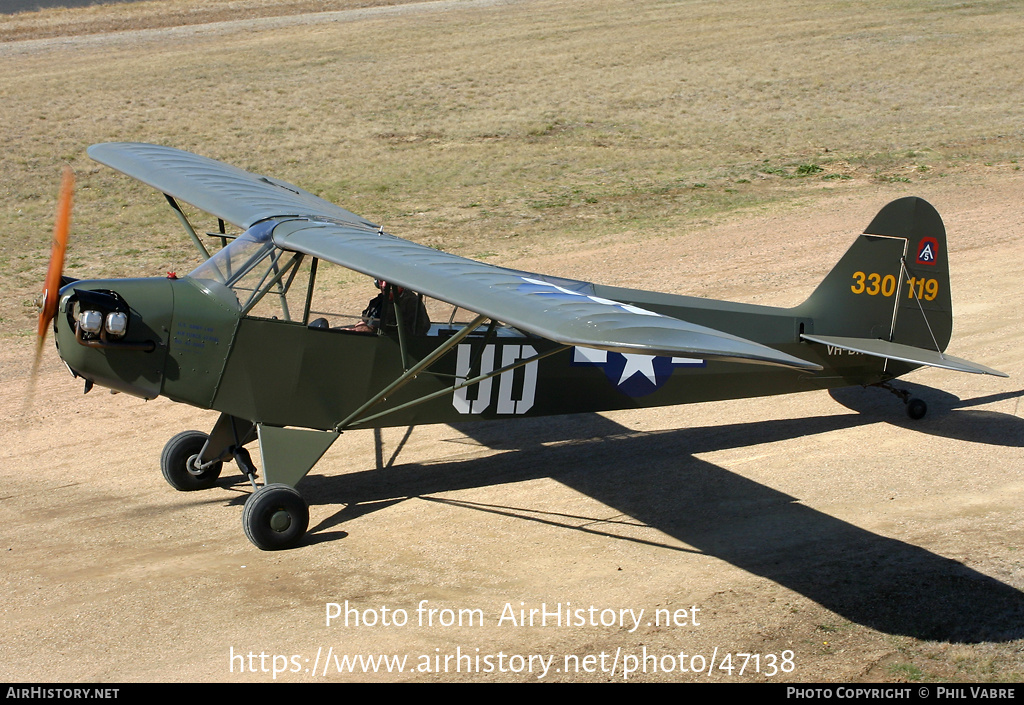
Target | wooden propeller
(61,228)
(48,301)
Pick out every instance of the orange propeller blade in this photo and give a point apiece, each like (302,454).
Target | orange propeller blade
(60,244)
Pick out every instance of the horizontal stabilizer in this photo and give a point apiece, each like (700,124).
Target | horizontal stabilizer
(903,353)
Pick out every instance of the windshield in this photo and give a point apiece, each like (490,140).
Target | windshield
(237,259)
(252,267)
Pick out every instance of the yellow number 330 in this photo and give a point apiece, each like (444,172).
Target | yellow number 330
(873,284)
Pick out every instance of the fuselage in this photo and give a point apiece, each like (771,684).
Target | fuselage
(208,354)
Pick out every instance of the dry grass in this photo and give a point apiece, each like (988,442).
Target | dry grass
(498,129)
(154,14)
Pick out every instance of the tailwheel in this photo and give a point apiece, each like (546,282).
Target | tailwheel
(275,517)
(179,463)
(916,408)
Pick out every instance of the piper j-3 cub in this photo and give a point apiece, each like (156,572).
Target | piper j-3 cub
(241,334)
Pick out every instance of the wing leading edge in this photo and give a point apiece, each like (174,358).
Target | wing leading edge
(237,196)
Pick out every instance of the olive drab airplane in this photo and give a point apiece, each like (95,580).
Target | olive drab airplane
(245,334)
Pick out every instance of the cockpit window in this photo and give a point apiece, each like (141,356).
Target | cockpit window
(264,281)
(259,274)
(237,259)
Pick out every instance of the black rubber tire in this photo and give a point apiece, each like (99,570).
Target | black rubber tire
(916,408)
(275,517)
(178,453)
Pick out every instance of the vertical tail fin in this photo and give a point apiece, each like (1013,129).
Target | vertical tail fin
(892,284)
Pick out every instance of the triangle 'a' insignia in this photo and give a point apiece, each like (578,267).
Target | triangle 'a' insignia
(928,251)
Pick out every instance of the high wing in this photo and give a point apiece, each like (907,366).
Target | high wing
(227,192)
(565,311)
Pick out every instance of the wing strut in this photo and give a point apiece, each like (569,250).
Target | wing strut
(188,226)
(468,383)
(356,418)
(412,372)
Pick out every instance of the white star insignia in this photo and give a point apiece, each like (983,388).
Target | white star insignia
(638,364)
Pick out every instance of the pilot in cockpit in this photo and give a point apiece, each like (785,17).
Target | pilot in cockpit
(380,311)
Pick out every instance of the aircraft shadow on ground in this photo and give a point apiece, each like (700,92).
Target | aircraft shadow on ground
(948,415)
(871,580)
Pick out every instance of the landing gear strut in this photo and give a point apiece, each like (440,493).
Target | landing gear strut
(275,514)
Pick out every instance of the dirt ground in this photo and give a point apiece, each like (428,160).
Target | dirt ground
(827,537)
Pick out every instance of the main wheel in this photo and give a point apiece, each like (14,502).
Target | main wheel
(275,517)
(177,463)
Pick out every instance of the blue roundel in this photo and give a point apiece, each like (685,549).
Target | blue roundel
(633,374)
